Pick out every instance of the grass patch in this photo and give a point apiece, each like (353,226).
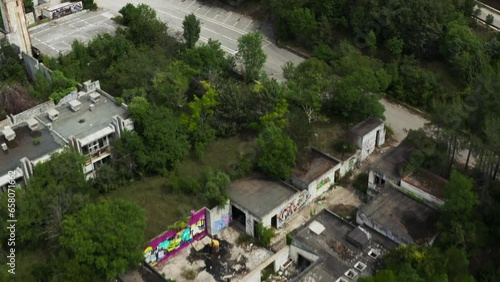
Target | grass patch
(347,212)
(162,208)
(219,155)
(24,265)
(189,273)
(325,135)
(46,20)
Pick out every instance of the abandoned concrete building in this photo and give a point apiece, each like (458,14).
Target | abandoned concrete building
(421,184)
(256,199)
(399,217)
(87,120)
(330,249)
(367,135)
(315,172)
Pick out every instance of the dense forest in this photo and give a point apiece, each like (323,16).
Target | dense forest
(183,96)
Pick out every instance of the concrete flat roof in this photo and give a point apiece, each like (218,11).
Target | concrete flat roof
(311,165)
(428,182)
(337,254)
(402,215)
(366,126)
(22,146)
(393,163)
(259,195)
(84,122)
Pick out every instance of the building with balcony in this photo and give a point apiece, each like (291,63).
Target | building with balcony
(87,120)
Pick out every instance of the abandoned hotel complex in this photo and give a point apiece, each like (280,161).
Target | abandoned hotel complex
(401,207)
(87,120)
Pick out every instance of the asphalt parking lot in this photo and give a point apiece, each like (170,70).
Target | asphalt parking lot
(218,24)
(57,36)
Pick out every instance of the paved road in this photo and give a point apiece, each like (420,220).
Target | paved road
(217,24)
(485,11)
(401,120)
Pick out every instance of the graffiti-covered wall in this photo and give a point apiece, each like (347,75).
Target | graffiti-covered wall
(218,218)
(172,241)
(294,206)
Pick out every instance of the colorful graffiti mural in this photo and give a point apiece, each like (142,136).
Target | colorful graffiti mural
(293,207)
(172,241)
(323,182)
(222,223)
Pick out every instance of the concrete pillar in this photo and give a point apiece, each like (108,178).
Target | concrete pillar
(15,24)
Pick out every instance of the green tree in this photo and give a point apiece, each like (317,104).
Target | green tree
(139,108)
(196,122)
(371,40)
(89,4)
(302,24)
(105,238)
(464,50)
(277,153)
(456,222)
(172,84)
(191,30)
(216,187)
(144,27)
(210,60)
(395,46)
(57,188)
(251,55)
(12,69)
(489,19)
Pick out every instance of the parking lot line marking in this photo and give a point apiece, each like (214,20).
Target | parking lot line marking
(230,13)
(207,12)
(248,25)
(190,4)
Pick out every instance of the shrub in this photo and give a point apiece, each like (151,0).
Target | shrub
(289,239)
(489,19)
(189,273)
(36,140)
(264,235)
(360,183)
(119,101)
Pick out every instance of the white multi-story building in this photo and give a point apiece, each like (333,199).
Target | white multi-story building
(87,120)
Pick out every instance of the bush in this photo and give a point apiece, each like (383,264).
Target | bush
(489,19)
(360,183)
(36,140)
(189,273)
(119,101)
(264,235)
(289,239)
(184,184)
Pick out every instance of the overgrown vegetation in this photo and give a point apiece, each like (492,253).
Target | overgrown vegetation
(264,235)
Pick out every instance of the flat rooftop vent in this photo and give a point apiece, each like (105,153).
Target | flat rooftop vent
(9,133)
(360,266)
(373,253)
(316,227)
(341,279)
(32,124)
(75,105)
(4,147)
(351,274)
(95,97)
(53,114)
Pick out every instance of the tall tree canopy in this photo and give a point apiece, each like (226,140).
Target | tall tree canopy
(191,30)
(277,152)
(251,54)
(105,237)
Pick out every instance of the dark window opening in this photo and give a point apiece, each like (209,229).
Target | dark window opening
(274,222)
(239,217)
(302,263)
